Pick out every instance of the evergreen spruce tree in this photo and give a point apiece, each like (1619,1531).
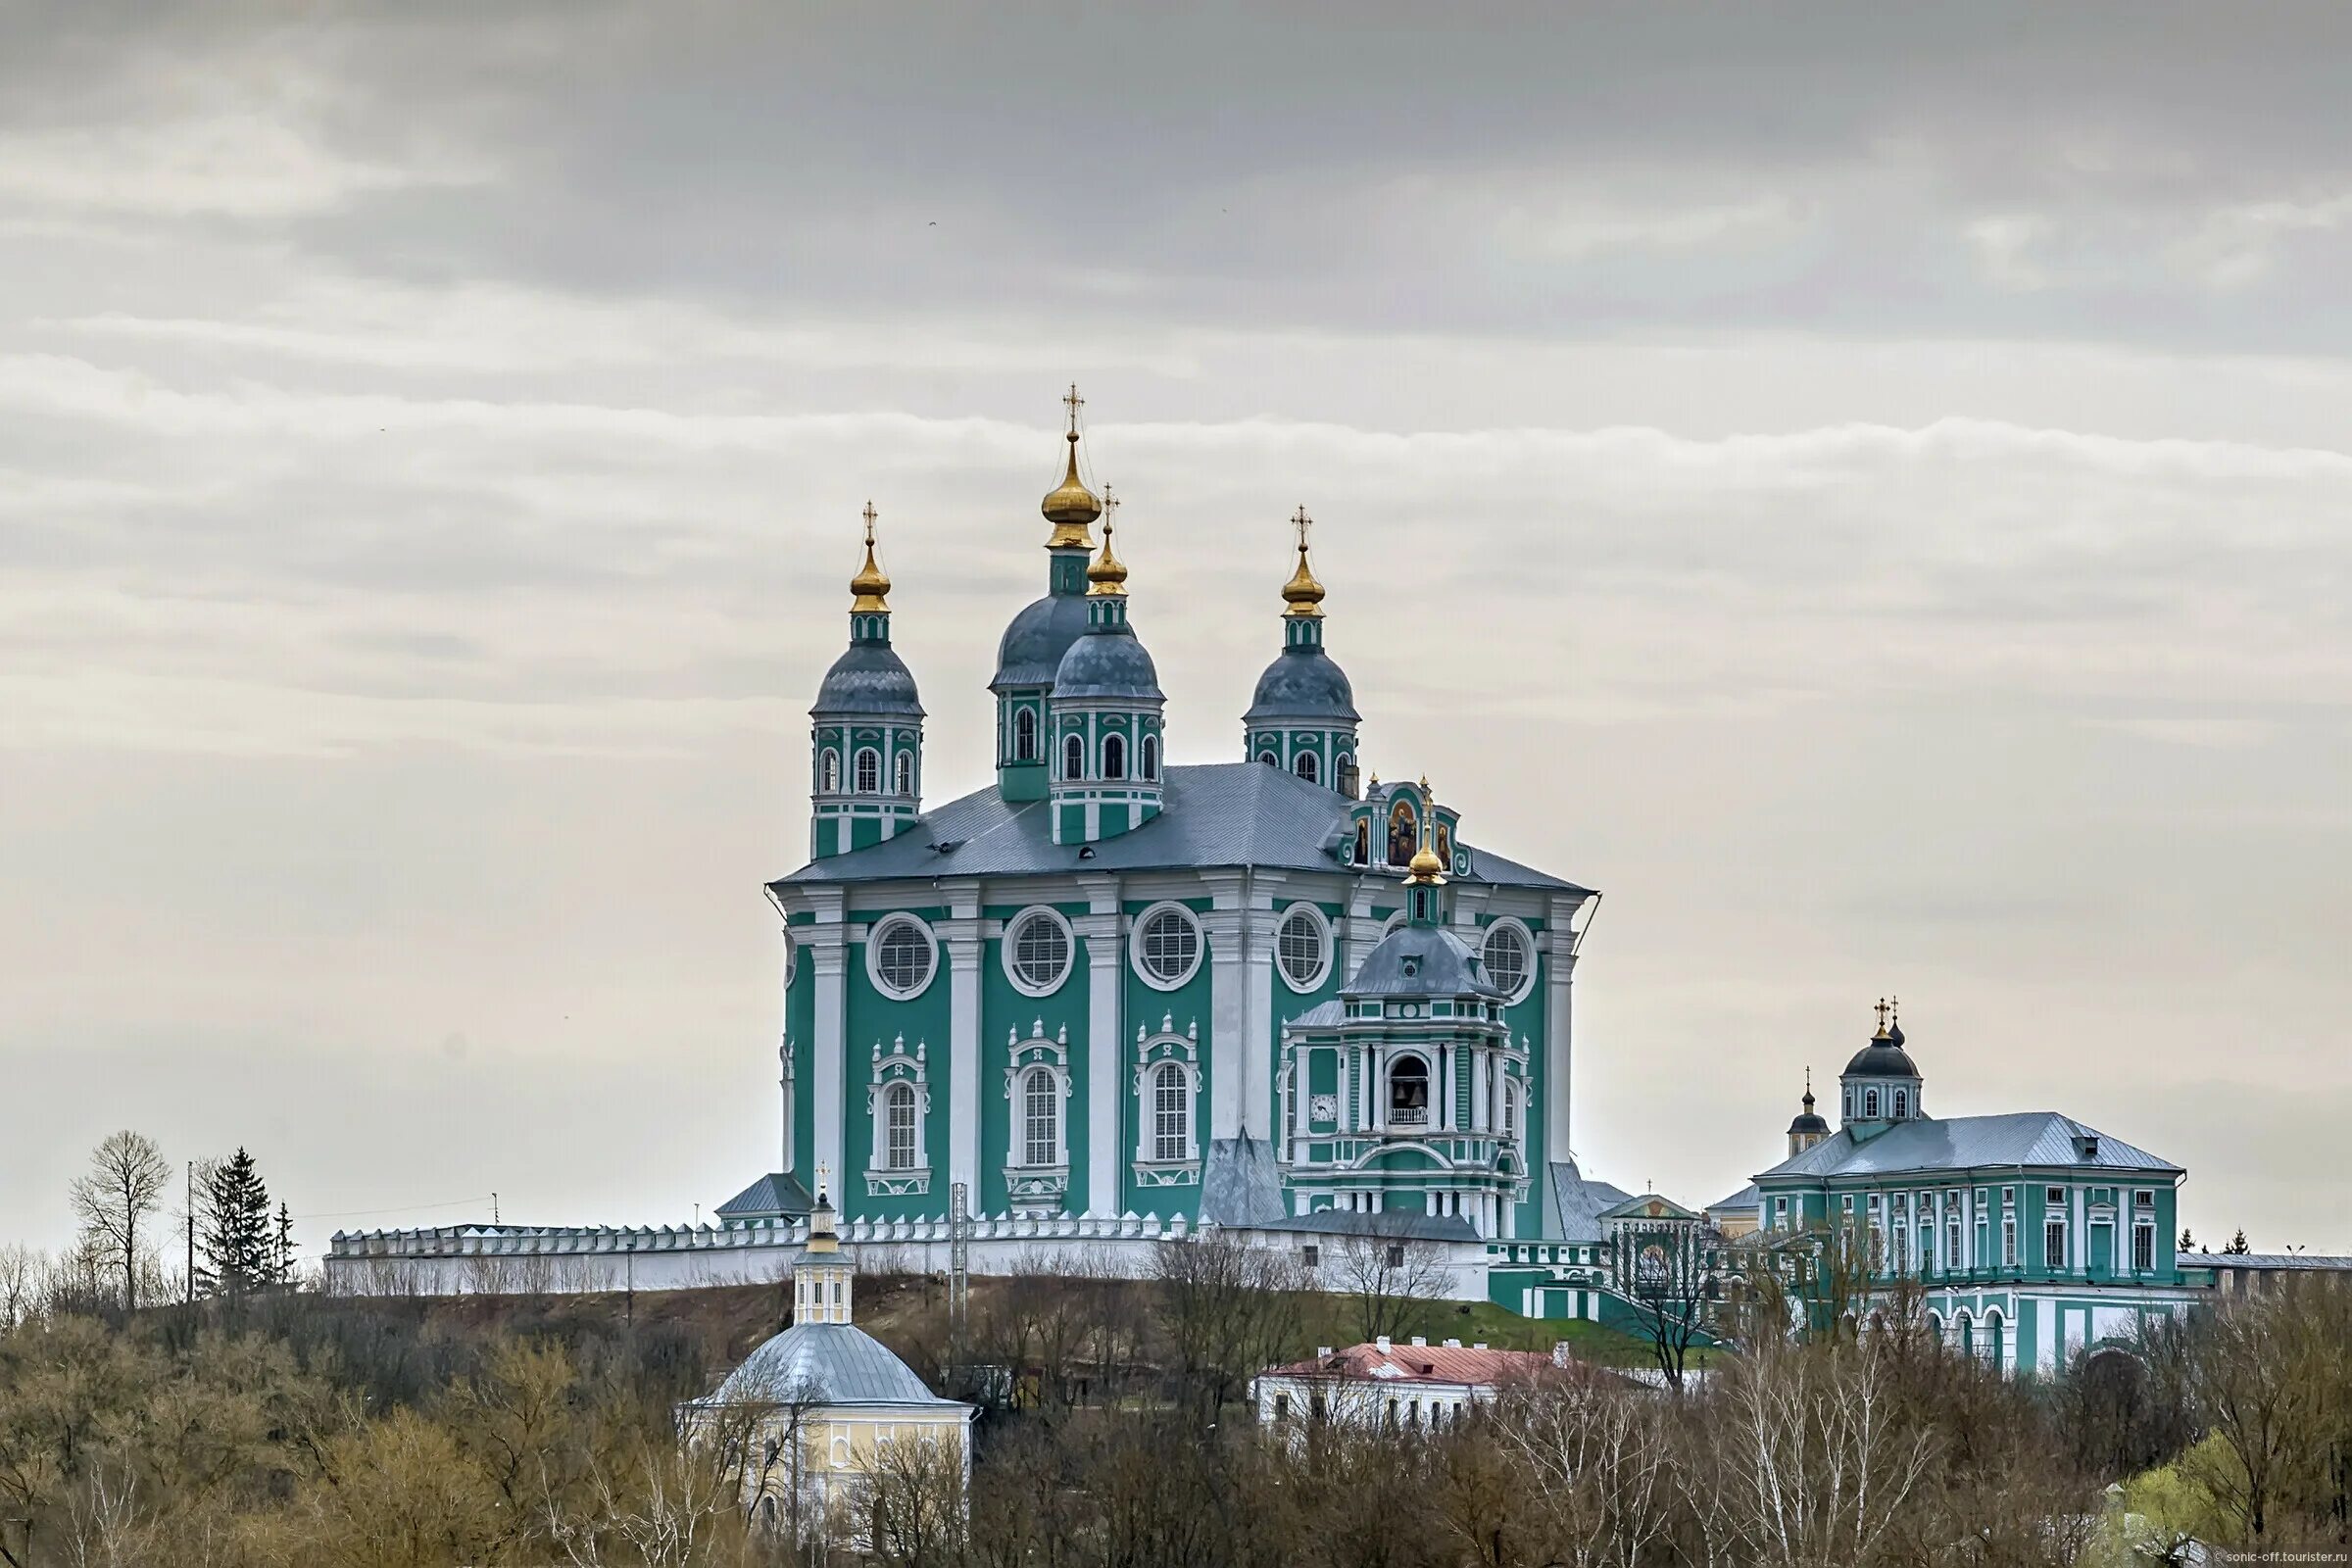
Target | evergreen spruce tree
(2188,1243)
(236,1236)
(282,1273)
(2238,1247)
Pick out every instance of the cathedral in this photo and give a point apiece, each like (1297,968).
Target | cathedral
(1107,984)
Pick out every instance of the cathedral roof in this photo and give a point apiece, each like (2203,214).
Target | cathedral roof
(1214,814)
(1031,649)
(1969,1143)
(1421,961)
(1302,682)
(868,677)
(1582,1201)
(824,1363)
(1882,1058)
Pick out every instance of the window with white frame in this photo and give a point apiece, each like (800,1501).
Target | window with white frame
(1269,759)
(1302,948)
(1167,946)
(1148,752)
(1510,1110)
(2143,1247)
(2008,1240)
(2053,1243)
(828,771)
(1509,958)
(1900,1250)
(902,779)
(869,771)
(1869,1102)
(1024,735)
(1172,1113)
(1902,1103)
(900,1151)
(1038,952)
(1114,756)
(1305,767)
(1040,1118)
(899,957)
(1073,757)
(1951,1243)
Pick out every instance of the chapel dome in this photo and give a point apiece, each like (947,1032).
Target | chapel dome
(1302,682)
(823,1363)
(1808,1122)
(868,679)
(1420,960)
(1110,664)
(1883,1057)
(1031,649)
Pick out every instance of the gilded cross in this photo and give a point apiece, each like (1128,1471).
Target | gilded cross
(1074,403)
(1882,1012)
(1110,506)
(870,515)
(1302,522)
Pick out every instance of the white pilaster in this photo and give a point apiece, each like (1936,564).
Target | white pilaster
(827,951)
(1559,971)
(1106,1082)
(1228,1005)
(960,934)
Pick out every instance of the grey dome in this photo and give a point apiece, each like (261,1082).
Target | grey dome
(1302,682)
(823,1363)
(1420,960)
(1107,663)
(1882,1058)
(868,679)
(1808,1122)
(1031,649)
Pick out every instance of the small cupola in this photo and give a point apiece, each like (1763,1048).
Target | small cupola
(821,1279)
(1302,715)
(1808,1128)
(1881,1085)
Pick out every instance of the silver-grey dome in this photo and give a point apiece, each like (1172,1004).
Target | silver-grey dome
(868,679)
(1109,663)
(823,1363)
(1031,649)
(1882,1058)
(1421,961)
(1302,682)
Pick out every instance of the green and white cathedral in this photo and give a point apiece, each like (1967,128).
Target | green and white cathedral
(1108,985)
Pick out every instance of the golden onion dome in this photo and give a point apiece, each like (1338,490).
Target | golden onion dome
(1425,866)
(1106,578)
(1070,508)
(1302,592)
(871,585)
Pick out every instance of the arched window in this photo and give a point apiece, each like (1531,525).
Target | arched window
(1269,759)
(1869,1102)
(1073,757)
(1306,767)
(898,1119)
(1404,833)
(828,771)
(869,771)
(1024,735)
(1363,841)
(1510,1110)
(1171,1113)
(1408,1093)
(1151,756)
(1902,1103)
(1040,1118)
(1114,756)
(903,774)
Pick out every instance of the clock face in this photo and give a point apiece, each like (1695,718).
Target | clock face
(1324,1107)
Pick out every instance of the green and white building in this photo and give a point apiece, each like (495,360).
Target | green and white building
(2031,1236)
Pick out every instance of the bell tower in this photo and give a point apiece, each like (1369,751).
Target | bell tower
(866,748)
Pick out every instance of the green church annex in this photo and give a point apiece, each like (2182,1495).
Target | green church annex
(1108,985)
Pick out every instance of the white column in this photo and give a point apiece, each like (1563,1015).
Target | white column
(1260,1026)
(784,1094)
(829,955)
(1560,972)
(1228,1006)
(960,934)
(1106,1078)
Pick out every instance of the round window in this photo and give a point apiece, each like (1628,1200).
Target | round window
(898,957)
(1302,947)
(1167,946)
(1037,953)
(1509,958)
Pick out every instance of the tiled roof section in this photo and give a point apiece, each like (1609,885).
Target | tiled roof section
(1968,1143)
(2312,1261)
(778,1193)
(1437,1363)
(1212,814)
(1582,1201)
(824,1363)
(1421,961)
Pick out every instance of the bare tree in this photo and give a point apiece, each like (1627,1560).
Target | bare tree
(123,1186)
(20,1270)
(1389,1276)
(1675,1284)
(1228,1310)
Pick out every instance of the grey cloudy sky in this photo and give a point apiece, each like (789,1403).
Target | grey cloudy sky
(1868,490)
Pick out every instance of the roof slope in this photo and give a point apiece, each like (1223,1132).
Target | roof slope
(1582,1201)
(824,1363)
(1213,813)
(1966,1143)
(1440,1363)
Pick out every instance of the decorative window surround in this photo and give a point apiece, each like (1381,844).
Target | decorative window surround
(898,1066)
(1151,1052)
(1037,1189)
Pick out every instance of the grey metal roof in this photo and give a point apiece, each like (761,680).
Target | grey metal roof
(1745,1197)
(1400,1226)
(1582,1201)
(1302,682)
(1241,1184)
(1212,814)
(778,1193)
(2315,1261)
(1418,960)
(1967,1143)
(867,678)
(1031,649)
(1107,662)
(824,1363)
